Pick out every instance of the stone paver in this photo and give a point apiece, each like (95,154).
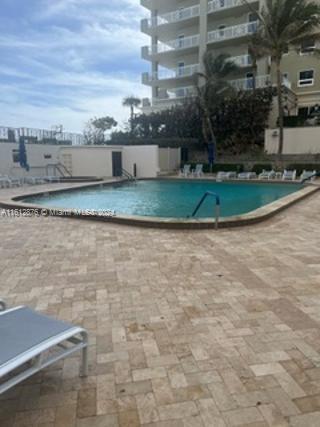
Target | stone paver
(186,328)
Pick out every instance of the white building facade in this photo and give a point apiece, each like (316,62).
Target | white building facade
(181,31)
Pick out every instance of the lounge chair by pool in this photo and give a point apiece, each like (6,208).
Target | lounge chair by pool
(31,341)
(267,174)
(289,175)
(308,174)
(186,171)
(225,175)
(247,175)
(198,171)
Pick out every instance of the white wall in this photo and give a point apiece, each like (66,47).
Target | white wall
(35,156)
(89,161)
(304,140)
(81,160)
(169,159)
(146,157)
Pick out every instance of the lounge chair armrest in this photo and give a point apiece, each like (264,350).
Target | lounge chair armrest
(3,305)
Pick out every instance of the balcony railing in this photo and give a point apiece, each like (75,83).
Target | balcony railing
(176,73)
(232,32)
(216,5)
(175,94)
(172,17)
(249,83)
(177,44)
(242,60)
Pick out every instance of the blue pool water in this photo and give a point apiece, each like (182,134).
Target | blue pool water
(164,198)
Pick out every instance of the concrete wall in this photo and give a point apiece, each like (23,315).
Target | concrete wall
(36,158)
(81,160)
(146,157)
(169,159)
(304,140)
(88,161)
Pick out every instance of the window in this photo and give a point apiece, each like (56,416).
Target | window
(15,156)
(222,3)
(306,78)
(307,46)
(181,41)
(221,29)
(181,69)
(252,19)
(249,81)
(47,156)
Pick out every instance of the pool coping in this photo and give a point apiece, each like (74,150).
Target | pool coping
(253,217)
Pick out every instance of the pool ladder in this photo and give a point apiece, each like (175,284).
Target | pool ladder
(217,205)
(128,175)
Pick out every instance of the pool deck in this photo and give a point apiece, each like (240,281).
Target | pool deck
(187,328)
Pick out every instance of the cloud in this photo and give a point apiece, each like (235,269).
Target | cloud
(67,61)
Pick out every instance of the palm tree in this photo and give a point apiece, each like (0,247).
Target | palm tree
(132,102)
(212,86)
(283,23)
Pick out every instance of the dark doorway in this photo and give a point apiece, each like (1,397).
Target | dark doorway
(116,163)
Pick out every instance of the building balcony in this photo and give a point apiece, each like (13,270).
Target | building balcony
(220,5)
(242,60)
(170,18)
(259,82)
(171,46)
(233,32)
(171,95)
(249,82)
(166,74)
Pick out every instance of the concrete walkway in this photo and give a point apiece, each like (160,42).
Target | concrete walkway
(187,329)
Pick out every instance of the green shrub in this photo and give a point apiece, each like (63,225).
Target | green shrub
(258,168)
(300,167)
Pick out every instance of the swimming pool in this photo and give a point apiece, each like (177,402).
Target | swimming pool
(168,198)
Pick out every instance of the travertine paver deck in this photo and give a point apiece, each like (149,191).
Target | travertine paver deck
(193,329)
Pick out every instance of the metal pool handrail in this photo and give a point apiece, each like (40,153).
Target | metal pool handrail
(217,209)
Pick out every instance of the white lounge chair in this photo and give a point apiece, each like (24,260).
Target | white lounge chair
(267,174)
(225,175)
(247,175)
(289,175)
(52,179)
(186,171)
(308,174)
(31,341)
(198,172)
(33,180)
(6,181)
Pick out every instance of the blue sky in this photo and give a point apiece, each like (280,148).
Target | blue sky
(66,61)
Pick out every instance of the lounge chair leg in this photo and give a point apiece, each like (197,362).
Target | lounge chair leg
(84,363)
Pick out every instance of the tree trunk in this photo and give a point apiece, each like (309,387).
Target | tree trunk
(280,107)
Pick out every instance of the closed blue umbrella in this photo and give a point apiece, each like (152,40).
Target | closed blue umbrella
(211,154)
(23,154)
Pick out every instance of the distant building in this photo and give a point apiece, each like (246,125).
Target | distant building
(181,31)
(40,136)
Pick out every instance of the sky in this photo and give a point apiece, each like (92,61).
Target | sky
(67,61)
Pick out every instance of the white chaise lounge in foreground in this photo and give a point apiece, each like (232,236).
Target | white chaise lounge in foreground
(30,341)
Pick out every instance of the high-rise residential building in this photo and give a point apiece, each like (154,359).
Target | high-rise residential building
(181,31)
